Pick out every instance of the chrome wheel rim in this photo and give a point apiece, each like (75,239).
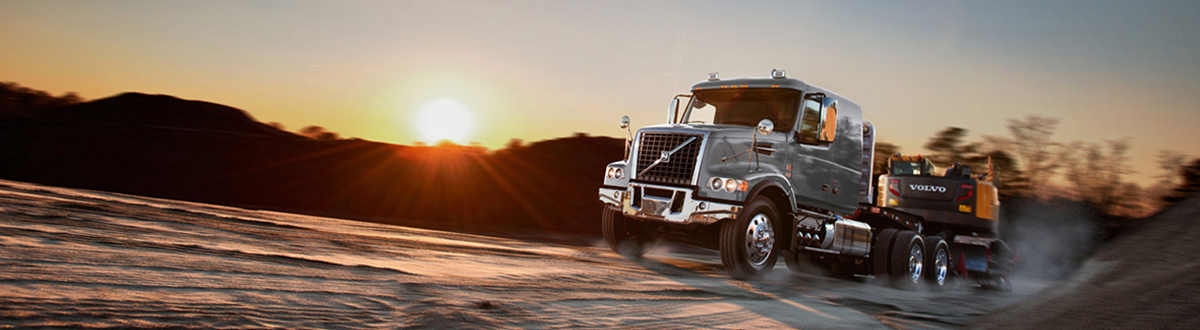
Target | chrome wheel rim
(941,266)
(915,263)
(760,240)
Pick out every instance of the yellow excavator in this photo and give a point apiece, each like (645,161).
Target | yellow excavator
(953,203)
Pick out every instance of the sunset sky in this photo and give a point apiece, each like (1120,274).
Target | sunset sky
(540,70)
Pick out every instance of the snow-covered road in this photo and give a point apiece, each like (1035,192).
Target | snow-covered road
(86,259)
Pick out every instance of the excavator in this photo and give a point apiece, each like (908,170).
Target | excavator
(957,205)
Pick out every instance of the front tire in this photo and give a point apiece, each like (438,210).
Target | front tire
(623,236)
(748,242)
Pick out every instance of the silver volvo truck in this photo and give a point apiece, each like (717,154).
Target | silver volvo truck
(763,168)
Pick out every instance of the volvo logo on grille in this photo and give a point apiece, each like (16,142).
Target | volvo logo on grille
(927,188)
(666,156)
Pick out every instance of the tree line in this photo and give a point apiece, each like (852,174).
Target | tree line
(1030,158)
(20,101)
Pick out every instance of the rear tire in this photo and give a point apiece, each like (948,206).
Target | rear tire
(881,253)
(748,242)
(623,235)
(937,262)
(907,260)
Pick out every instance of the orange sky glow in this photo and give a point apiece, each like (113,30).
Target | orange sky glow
(539,70)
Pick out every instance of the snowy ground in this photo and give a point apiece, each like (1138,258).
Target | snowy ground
(85,259)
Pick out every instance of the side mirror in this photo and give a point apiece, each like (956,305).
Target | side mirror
(765,127)
(628,132)
(828,127)
(672,110)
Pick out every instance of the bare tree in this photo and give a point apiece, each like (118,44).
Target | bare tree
(514,143)
(1097,176)
(883,150)
(1037,155)
(21,101)
(1190,176)
(949,147)
(318,133)
(1169,162)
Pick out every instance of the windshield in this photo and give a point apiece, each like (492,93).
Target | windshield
(900,167)
(905,168)
(745,107)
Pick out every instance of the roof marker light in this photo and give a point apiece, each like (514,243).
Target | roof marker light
(714,76)
(778,74)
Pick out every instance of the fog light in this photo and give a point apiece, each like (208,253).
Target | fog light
(701,206)
(619,173)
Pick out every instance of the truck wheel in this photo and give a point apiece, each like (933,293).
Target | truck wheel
(907,260)
(880,255)
(617,233)
(937,262)
(748,242)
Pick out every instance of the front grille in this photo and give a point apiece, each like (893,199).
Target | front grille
(679,167)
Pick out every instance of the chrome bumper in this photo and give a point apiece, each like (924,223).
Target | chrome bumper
(668,204)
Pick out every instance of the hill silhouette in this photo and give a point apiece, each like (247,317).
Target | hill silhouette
(162,111)
(162,146)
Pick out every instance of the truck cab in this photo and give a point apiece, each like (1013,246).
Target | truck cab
(777,140)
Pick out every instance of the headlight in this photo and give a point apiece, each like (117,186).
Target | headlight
(716,184)
(614,173)
(727,185)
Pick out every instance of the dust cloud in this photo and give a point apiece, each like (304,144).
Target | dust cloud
(1052,238)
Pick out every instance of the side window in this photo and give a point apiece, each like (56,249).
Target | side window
(810,120)
(829,120)
(701,112)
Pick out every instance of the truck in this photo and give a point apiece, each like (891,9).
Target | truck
(767,168)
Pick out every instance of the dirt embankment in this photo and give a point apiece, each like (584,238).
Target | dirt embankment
(1147,279)
(80,259)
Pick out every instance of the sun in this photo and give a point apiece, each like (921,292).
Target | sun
(444,119)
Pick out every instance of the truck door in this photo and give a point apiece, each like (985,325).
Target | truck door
(845,153)
(810,165)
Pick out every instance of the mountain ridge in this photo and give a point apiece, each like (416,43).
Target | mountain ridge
(164,146)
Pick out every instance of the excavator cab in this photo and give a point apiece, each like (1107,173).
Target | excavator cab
(949,199)
(910,165)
